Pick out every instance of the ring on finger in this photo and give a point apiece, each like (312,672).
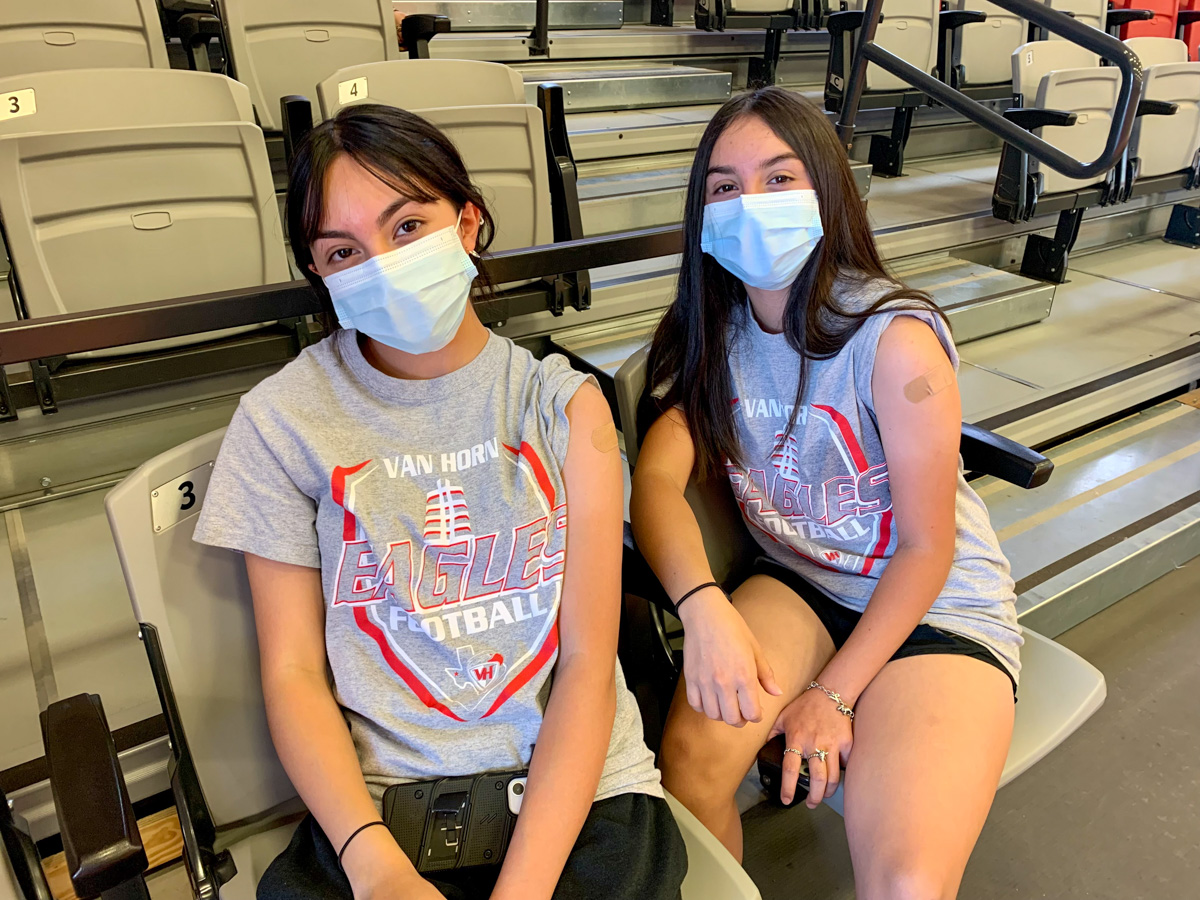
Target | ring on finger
(818,754)
(799,753)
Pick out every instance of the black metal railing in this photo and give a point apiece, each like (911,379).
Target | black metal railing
(1106,46)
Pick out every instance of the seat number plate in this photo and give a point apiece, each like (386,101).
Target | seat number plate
(352,91)
(180,498)
(17,104)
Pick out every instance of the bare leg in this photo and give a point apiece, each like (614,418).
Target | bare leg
(931,734)
(704,761)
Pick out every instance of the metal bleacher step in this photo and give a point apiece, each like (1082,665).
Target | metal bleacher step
(633,85)
(977,299)
(502,15)
(1122,509)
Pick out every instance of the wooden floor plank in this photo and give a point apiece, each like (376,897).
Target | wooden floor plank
(160,835)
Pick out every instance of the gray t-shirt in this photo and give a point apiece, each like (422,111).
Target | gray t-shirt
(436,512)
(819,501)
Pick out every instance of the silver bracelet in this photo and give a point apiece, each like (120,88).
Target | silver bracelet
(835,697)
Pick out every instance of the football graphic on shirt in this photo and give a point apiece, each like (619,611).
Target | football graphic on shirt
(446,516)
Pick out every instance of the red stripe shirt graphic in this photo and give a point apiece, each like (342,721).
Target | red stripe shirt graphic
(460,603)
(829,506)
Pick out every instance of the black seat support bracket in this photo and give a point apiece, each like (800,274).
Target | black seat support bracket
(1184,227)
(296,116)
(1046,257)
(887,150)
(572,287)
(950,21)
(418,30)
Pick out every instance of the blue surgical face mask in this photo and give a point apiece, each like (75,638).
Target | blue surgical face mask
(763,239)
(413,298)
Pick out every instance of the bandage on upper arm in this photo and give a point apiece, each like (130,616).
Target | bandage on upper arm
(604,438)
(930,383)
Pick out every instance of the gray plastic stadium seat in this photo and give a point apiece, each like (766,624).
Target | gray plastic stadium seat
(1089,12)
(909,29)
(1059,690)
(1167,144)
(198,600)
(132,185)
(984,49)
(43,35)
(481,107)
(1063,76)
(282,47)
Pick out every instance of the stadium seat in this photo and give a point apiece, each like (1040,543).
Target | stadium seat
(280,49)
(109,187)
(235,802)
(910,29)
(1189,27)
(979,52)
(1059,690)
(1166,13)
(1089,12)
(481,106)
(1161,144)
(43,35)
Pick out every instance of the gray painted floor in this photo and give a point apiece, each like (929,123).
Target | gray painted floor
(1112,814)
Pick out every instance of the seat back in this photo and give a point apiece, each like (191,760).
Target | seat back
(1166,144)
(111,185)
(727,542)
(1089,12)
(198,600)
(481,108)
(1035,60)
(1166,13)
(909,29)
(1155,51)
(282,47)
(45,35)
(1091,93)
(984,50)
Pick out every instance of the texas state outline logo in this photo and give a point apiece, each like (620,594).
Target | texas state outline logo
(463,617)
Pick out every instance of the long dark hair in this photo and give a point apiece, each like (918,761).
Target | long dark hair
(402,150)
(690,352)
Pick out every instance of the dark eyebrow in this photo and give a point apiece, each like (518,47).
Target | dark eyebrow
(343,235)
(773,161)
(392,208)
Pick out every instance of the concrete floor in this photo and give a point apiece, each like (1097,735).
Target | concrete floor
(1112,814)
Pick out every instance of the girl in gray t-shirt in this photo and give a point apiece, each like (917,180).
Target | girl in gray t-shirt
(878,632)
(431,520)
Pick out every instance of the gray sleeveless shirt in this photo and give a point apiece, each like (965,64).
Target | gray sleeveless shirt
(819,502)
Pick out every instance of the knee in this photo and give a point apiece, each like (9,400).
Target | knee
(908,880)
(691,768)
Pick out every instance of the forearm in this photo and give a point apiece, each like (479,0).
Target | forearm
(668,535)
(563,774)
(314,745)
(909,586)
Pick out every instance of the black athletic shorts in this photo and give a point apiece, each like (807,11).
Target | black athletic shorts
(628,849)
(839,621)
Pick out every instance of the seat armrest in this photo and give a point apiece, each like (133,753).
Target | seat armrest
(1157,108)
(989,453)
(295,112)
(1118,17)
(846,20)
(950,19)
(1031,118)
(99,832)
(22,854)
(418,30)
(195,31)
(1187,17)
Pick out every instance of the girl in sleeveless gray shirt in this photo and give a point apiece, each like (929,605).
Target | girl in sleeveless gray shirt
(431,520)
(877,634)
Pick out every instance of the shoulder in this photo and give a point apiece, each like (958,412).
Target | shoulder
(293,386)
(908,346)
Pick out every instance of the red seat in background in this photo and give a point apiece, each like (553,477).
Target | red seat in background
(1163,23)
(1191,34)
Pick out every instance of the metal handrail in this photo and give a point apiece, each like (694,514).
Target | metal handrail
(27,340)
(1093,39)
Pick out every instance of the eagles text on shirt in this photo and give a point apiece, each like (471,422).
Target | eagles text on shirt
(843,523)
(464,615)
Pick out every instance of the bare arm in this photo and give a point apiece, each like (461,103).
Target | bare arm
(920,419)
(723,665)
(308,730)
(573,741)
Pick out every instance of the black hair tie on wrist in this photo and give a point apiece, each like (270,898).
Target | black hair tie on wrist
(697,590)
(353,835)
